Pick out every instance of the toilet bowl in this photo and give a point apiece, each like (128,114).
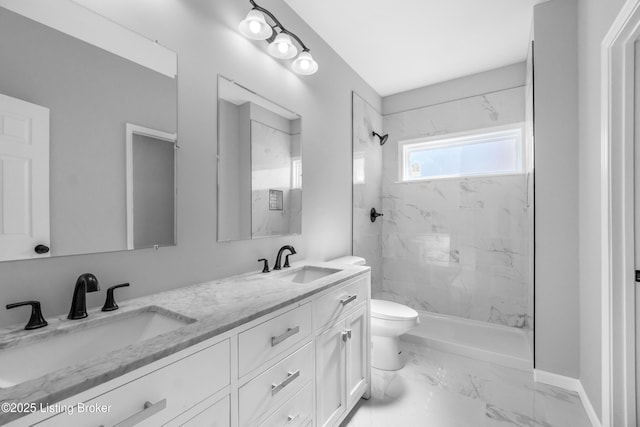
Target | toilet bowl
(389,320)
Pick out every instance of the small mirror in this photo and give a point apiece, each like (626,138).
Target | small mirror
(259,166)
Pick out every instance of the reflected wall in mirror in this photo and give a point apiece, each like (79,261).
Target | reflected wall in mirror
(151,190)
(259,166)
(66,100)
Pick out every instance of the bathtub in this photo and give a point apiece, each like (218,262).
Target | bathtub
(479,340)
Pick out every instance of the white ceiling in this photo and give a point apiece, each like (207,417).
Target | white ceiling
(398,45)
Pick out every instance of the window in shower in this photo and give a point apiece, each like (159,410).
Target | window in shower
(495,151)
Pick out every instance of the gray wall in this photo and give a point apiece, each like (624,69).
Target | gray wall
(556,188)
(232,167)
(205,35)
(91,94)
(153,192)
(595,18)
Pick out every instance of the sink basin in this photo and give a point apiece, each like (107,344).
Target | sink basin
(307,274)
(85,342)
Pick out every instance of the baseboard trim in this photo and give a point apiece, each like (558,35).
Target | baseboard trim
(572,384)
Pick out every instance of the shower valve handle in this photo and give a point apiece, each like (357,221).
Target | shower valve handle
(373,214)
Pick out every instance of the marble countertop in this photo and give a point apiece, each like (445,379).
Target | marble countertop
(213,308)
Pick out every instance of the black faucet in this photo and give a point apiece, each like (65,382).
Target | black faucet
(87,282)
(279,257)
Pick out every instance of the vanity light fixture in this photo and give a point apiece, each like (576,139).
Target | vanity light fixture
(281,46)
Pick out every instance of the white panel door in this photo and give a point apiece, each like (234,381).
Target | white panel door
(24,178)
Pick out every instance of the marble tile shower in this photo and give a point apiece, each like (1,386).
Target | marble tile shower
(458,246)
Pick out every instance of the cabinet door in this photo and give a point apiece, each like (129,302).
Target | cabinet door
(357,372)
(330,375)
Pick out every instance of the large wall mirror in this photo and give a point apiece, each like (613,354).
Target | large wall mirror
(259,166)
(88,130)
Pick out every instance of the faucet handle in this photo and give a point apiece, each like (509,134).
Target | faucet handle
(265,267)
(36,320)
(286,260)
(110,302)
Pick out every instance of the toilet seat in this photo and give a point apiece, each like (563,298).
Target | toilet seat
(388,310)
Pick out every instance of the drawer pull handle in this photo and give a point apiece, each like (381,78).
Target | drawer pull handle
(275,388)
(288,333)
(348,299)
(292,417)
(149,410)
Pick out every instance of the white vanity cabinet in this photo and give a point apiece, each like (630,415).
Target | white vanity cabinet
(304,365)
(158,396)
(342,351)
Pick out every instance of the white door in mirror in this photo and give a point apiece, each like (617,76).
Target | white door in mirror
(24,179)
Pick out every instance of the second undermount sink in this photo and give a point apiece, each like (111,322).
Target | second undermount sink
(83,342)
(307,274)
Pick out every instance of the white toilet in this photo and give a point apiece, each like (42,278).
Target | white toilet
(389,320)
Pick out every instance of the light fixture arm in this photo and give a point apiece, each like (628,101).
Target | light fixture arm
(278,25)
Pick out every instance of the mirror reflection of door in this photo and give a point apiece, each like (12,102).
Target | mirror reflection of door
(150,188)
(24,178)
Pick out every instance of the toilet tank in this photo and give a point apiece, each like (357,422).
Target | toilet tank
(349,260)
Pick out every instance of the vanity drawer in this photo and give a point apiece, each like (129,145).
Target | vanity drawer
(275,336)
(216,415)
(337,302)
(275,385)
(170,390)
(295,412)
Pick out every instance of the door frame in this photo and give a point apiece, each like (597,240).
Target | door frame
(617,217)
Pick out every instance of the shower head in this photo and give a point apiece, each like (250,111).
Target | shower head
(383,138)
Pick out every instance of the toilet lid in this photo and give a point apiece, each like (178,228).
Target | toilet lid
(388,310)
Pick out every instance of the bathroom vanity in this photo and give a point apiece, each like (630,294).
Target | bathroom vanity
(282,348)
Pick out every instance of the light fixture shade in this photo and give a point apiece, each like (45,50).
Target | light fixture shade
(282,47)
(255,26)
(304,64)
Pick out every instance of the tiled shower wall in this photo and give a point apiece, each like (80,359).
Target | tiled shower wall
(458,246)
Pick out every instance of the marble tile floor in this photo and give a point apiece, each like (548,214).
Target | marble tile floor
(438,389)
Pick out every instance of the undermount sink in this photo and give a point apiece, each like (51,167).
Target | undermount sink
(84,342)
(307,274)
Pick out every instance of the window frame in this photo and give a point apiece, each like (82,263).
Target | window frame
(476,136)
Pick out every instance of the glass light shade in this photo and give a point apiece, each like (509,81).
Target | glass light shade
(282,47)
(255,26)
(304,64)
